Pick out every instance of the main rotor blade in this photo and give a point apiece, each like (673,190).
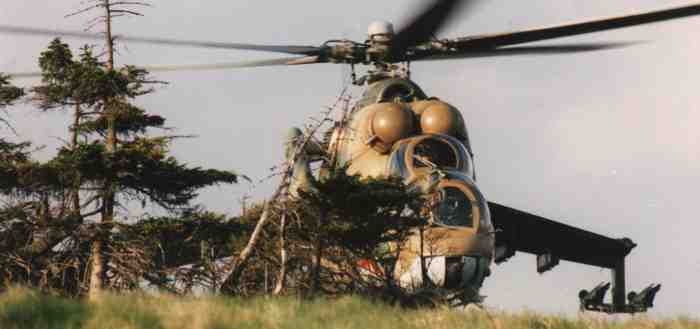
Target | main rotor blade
(299,50)
(202,67)
(425,25)
(522,50)
(20,75)
(520,37)
(234,65)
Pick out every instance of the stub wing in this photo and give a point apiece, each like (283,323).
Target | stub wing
(552,241)
(517,230)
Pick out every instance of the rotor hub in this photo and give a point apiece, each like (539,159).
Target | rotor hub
(380,30)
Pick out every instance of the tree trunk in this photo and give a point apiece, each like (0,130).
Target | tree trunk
(316,275)
(108,34)
(99,259)
(96,272)
(74,141)
(282,276)
(240,262)
(423,270)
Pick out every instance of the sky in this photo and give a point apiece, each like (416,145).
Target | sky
(606,141)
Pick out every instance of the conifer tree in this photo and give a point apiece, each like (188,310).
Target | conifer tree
(111,106)
(111,160)
(10,153)
(137,166)
(8,93)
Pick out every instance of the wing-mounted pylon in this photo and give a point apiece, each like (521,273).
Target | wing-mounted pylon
(552,241)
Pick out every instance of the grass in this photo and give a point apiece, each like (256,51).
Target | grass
(25,309)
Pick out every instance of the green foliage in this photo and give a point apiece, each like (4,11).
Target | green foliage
(25,178)
(8,93)
(44,237)
(167,182)
(19,175)
(177,241)
(13,219)
(360,213)
(10,152)
(13,158)
(346,220)
(56,62)
(179,252)
(129,120)
(141,169)
(14,153)
(85,81)
(65,80)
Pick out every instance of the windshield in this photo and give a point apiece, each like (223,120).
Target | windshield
(454,208)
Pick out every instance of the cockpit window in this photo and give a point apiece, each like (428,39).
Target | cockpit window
(415,157)
(433,152)
(454,208)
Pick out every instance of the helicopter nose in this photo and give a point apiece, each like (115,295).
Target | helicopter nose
(457,272)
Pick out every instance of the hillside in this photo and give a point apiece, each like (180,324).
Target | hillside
(21,308)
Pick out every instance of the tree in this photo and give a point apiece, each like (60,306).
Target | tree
(133,165)
(10,153)
(66,206)
(185,251)
(342,237)
(8,93)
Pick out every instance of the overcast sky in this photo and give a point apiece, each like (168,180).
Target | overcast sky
(606,141)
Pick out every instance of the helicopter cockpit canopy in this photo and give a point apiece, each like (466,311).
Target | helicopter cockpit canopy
(450,208)
(415,157)
(458,202)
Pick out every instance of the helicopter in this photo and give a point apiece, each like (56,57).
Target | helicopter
(399,130)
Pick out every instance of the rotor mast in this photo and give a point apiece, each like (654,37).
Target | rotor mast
(380,35)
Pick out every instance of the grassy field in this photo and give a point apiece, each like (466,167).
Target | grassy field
(27,309)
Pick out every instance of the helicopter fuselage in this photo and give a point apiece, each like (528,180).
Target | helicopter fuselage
(396,130)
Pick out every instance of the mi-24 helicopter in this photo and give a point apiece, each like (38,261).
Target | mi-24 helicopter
(397,129)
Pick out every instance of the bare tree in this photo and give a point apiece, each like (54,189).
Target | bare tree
(297,150)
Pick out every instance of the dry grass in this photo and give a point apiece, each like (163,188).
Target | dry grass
(24,309)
